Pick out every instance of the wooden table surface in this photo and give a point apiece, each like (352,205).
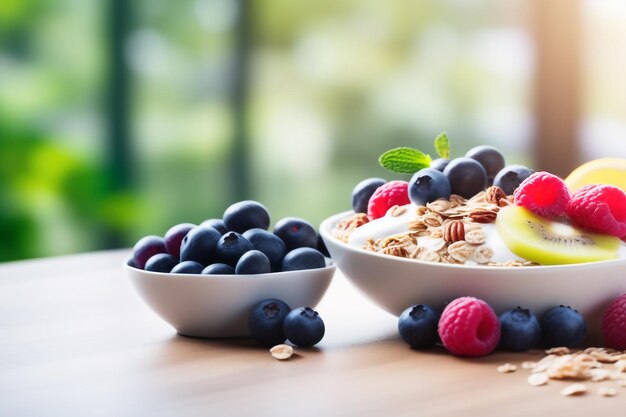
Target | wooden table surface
(76,340)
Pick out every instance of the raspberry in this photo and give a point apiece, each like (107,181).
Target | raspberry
(614,324)
(544,194)
(469,327)
(393,193)
(599,208)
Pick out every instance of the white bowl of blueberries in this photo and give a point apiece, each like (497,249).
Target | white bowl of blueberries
(205,280)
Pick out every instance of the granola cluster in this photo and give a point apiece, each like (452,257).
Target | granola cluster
(453,227)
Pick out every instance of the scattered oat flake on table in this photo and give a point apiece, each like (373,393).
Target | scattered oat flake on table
(506,368)
(574,389)
(281,352)
(599,374)
(558,351)
(607,391)
(528,364)
(621,365)
(537,380)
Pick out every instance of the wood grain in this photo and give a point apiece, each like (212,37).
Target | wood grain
(77,341)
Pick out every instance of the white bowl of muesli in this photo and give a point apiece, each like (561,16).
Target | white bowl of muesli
(415,254)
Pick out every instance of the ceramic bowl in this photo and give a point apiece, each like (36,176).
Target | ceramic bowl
(218,305)
(395,283)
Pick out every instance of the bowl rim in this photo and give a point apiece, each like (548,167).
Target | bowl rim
(329,223)
(330,266)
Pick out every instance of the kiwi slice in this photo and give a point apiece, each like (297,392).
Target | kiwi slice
(548,242)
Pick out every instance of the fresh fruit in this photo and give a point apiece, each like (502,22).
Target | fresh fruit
(393,193)
(362,193)
(271,245)
(562,326)
(199,245)
(490,158)
(428,185)
(544,194)
(304,327)
(610,171)
(266,320)
(296,233)
(510,177)
(253,262)
(174,237)
(417,326)
(146,248)
(245,215)
(161,262)
(551,243)
(519,329)
(303,258)
(218,269)
(599,208)
(188,267)
(467,176)
(217,224)
(231,247)
(469,327)
(439,164)
(614,324)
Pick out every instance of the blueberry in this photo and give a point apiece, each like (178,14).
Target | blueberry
(200,245)
(562,326)
(417,326)
(490,158)
(231,247)
(303,258)
(245,215)
(362,193)
(510,177)
(467,176)
(439,164)
(146,248)
(321,246)
(296,233)
(218,269)
(266,320)
(217,224)
(161,262)
(253,262)
(188,267)
(271,245)
(428,185)
(174,237)
(519,329)
(304,327)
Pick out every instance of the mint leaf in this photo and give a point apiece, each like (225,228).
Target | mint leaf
(442,145)
(404,160)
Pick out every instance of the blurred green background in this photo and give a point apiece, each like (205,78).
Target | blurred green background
(121,118)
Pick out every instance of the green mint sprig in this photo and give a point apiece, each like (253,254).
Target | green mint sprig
(404,160)
(442,145)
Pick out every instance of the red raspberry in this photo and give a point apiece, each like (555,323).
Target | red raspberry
(544,194)
(599,208)
(393,193)
(614,324)
(469,327)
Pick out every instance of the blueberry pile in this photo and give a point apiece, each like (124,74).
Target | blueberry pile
(520,330)
(272,321)
(240,243)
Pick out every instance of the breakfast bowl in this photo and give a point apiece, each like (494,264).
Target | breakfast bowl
(395,283)
(218,305)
